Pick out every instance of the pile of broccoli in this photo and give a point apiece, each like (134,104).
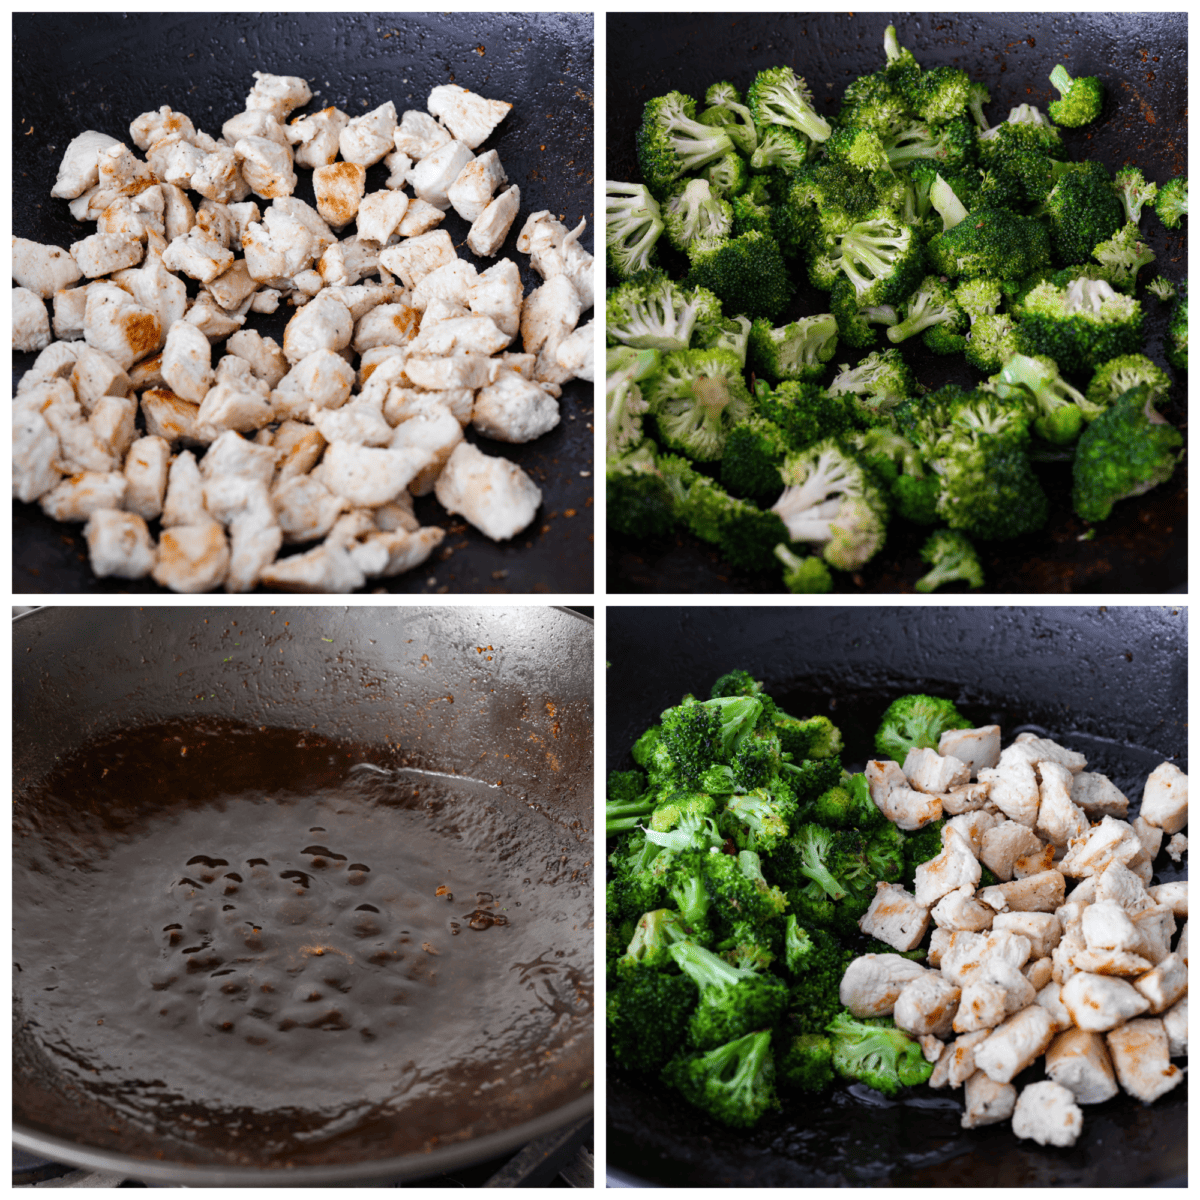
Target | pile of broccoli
(921,221)
(742,857)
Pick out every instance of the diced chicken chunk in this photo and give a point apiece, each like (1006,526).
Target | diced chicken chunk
(955,867)
(987,1102)
(315,137)
(78,496)
(961,911)
(187,362)
(491,227)
(895,917)
(1141,1057)
(904,807)
(1015,1044)
(1106,926)
(1164,801)
(1098,796)
(1039,750)
(1109,841)
(266,166)
(119,544)
(79,169)
(1059,820)
(872,982)
(327,568)
(277,94)
(1177,847)
(366,139)
(416,257)
(1172,895)
(1035,893)
(437,432)
(1043,929)
(493,494)
(339,188)
(978,748)
(42,269)
(928,771)
(471,192)
(146,467)
(927,1005)
(198,255)
(1047,1113)
(1165,984)
(418,135)
(1175,1022)
(470,117)
(380,213)
(367,476)
(323,324)
(1078,1059)
(968,953)
(30,321)
(514,410)
(434,175)
(1014,787)
(969,798)
(1100,1002)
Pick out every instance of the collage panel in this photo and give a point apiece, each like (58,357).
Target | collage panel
(303,896)
(896,896)
(883,292)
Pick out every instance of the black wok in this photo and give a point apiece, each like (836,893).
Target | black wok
(100,70)
(1142,57)
(497,695)
(1110,682)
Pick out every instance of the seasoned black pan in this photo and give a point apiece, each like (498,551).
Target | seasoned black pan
(1110,682)
(1142,57)
(501,696)
(99,71)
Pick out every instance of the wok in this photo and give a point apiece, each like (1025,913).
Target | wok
(502,696)
(1142,57)
(100,70)
(1110,682)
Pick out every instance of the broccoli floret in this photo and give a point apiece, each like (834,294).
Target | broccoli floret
(754,452)
(650,312)
(671,142)
(733,1001)
(647,1014)
(847,806)
(695,218)
(782,148)
(916,721)
(744,532)
(1172,202)
(738,891)
(912,490)
(1124,254)
(992,242)
(634,889)
(859,146)
(806,412)
(881,257)
(803,576)
(747,273)
(1164,289)
(625,403)
(734,1084)
(779,97)
(632,226)
(932,304)
(1126,451)
(759,820)
(1082,99)
(809,777)
(1134,191)
(627,802)
(885,378)
(751,211)
(1024,126)
(885,852)
(952,558)
(1084,211)
(991,342)
(939,94)
(726,110)
(700,734)
(640,502)
(652,940)
(837,194)
(728,176)
(796,351)
(1061,411)
(672,807)
(805,1062)
(952,144)
(831,858)
(849,534)
(1177,331)
(817,962)
(854,321)
(736,683)
(696,398)
(808,738)
(1079,326)
(873,1051)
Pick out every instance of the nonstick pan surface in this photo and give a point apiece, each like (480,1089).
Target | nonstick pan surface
(1142,57)
(1110,682)
(98,71)
(499,696)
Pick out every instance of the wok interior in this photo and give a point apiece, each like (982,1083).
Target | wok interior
(496,697)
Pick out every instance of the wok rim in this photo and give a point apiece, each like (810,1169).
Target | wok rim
(404,1167)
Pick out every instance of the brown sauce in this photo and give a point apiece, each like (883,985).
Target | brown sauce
(227,932)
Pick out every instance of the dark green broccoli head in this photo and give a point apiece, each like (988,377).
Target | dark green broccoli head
(654,935)
(806,412)
(804,1062)
(1080,325)
(809,777)
(1177,331)
(647,1014)
(747,273)
(1082,99)
(733,1084)
(1084,211)
(738,890)
(634,889)
(992,242)
(629,801)
(916,721)
(759,820)
(885,852)
(875,1052)
(736,683)
(671,808)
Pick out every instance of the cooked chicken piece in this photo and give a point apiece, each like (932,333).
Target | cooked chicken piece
(927,1005)
(492,493)
(1063,955)
(463,335)
(908,809)
(78,496)
(961,911)
(895,917)
(375,357)
(961,1064)
(79,169)
(387,325)
(265,300)
(497,293)
(1015,1044)
(1014,786)
(237,401)
(339,188)
(1039,972)
(1050,998)
(1181,946)
(1176,1024)
(324,324)
(264,355)
(1165,984)
(973,825)
(416,257)
(213,321)
(491,227)
(872,982)
(97,374)
(470,117)
(192,558)
(305,508)
(931,1047)
(987,1102)
(458,371)
(1156,926)
(244,507)
(1034,864)
(1149,835)
(1078,1060)
(146,470)
(198,255)
(1110,841)
(30,321)
(442,310)
(116,324)
(575,353)
(941,1069)
(1039,750)
(360,422)
(159,126)
(1106,926)
(418,135)
(398,515)
(1101,1002)
(136,215)
(404,403)
(1177,847)
(315,137)
(297,210)
(453,282)
(156,289)
(436,431)
(1164,800)
(1041,928)
(103,253)
(434,175)
(955,867)
(35,445)
(170,417)
(278,248)
(367,476)
(1098,796)
(419,217)
(299,446)
(176,162)
(70,307)
(514,410)
(187,362)
(218,177)
(266,166)
(940,940)
(256,123)
(972,797)
(1111,962)
(119,544)
(883,776)
(41,269)
(320,380)
(471,192)
(1035,893)
(380,213)
(553,250)
(968,953)
(1172,895)
(549,314)
(1047,1113)
(327,568)
(1059,820)
(1141,1056)
(398,165)
(366,139)
(929,772)
(239,458)
(978,748)
(277,94)
(362,298)
(56,361)
(184,502)
(996,991)
(121,173)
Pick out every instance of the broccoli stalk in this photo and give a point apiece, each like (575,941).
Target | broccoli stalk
(725,109)
(803,576)
(1134,192)
(650,946)
(779,97)
(952,558)
(1061,410)
(931,305)
(632,226)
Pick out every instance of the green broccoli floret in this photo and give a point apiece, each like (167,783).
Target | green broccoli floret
(1164,289)
(873,1051)
(952,558)
(938,94)
(744,533)
(1177,331)
(1082,99)
(747,273)
(671,142)
(759,820)
(1115,377)
(736,683)
(883,377)
(916,721)
(751,211)
(1079,326)
(734,1084)
(854,320)
(726,110)
(1084,211)
(696,398)
(1125,452)
(627,802)
(695,218)
(728,176)
(647,1014)
(698,735)
(804,1061)
(754,452)
(992,242)
(625,402)
(738,892)
(817,963)
(779,97)
(991,342)
(632,226)
(858,146)
(885,852)
(796,351)
(650,946)
(640,502)
(835,194)
(803,576)
(1172,202)
(733,1001)
(1024,126)
(932,304)
(781,148)
(849,534)
(1124,254)
(880,256)
(634,889)
(672,807)
(806,412)
(1061,411)
(650,312)
(952,143)
(834,859)
(1135,193)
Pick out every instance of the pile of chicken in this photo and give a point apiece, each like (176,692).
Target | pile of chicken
(295,443)
(1022,968)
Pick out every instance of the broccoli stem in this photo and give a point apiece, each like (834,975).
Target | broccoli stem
(950,208)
